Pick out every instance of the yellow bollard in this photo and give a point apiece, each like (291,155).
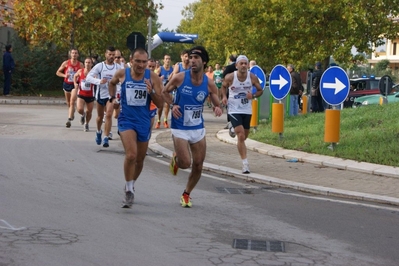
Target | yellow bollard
(277,118)
(332,126)
(381,100)
(304,104)
(254,117)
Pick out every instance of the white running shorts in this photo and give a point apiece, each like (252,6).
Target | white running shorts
(192,136)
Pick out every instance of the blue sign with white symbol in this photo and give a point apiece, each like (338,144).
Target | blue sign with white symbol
(257,71)
(280,82)
(334,85)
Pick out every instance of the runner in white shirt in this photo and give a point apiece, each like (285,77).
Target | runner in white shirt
(239,83)
(100,75)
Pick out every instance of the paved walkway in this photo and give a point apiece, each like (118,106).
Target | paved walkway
(271,165)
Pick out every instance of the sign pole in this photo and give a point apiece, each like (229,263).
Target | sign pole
(279,85)
(334,88)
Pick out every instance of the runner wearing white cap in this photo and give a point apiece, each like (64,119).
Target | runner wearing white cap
(239,84)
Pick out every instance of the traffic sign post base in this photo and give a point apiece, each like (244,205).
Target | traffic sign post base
(304,104)
(278,118)
(332,125)
(254,117)
(383,100)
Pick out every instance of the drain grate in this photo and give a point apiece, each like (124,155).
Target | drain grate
(234,190)
(259,245)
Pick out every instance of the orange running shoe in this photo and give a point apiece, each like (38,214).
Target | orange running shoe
(158,125)
(165,124)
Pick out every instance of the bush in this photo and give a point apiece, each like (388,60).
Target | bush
(35,69)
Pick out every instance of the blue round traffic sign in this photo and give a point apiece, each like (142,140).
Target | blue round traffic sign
(257,71)
(280,82)
(334,85)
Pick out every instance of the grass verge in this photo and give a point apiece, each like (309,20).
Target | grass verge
(367,134)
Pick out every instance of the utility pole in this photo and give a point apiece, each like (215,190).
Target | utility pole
(149,37)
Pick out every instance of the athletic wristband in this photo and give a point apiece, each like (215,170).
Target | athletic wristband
(111,99)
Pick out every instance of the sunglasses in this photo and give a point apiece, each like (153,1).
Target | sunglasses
(118,57)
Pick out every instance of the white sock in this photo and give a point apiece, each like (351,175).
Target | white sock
(245,161)
(129,185)
(99,131)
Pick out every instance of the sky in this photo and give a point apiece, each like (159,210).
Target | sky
(170,16)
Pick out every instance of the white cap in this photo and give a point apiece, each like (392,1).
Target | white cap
(241,57)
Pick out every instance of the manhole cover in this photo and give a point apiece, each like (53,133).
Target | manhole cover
(234,190)
(259,245)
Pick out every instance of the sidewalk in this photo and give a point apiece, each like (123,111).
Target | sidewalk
(271,165)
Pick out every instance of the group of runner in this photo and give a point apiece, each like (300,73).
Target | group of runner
(138,88)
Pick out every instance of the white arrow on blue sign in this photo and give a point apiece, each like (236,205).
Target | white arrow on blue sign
(280,82)
(334,85)
(258,72)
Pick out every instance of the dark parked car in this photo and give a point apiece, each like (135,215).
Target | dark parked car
(362,87)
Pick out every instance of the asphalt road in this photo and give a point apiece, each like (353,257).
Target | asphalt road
(60,198)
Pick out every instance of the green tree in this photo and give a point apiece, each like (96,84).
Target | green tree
(382,65)
(292,31)
(88,25)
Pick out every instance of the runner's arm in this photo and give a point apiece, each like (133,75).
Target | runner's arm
(60,71)
(171,86)
(119,76)
(76,78)
(156,90)
(255,82)
(213,93)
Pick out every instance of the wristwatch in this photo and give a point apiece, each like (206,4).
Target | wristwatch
(173,104)
(111,99)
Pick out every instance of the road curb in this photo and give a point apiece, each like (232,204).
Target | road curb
(17,101)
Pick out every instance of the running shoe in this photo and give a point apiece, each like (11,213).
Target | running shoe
(82,120)
(173,165)
(86,128)
(232,133)
(110,136)
(158,125)
(245,168)
(185,200)
(165,124)
(105,142)
(98,137)
(68,123)
(128,201)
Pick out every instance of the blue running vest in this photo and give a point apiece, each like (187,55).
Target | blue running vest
(135,100)
(191,100)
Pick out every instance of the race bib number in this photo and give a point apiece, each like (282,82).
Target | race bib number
(136,94)
(192,115)
(85,86)
(71,73)
(244,102)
